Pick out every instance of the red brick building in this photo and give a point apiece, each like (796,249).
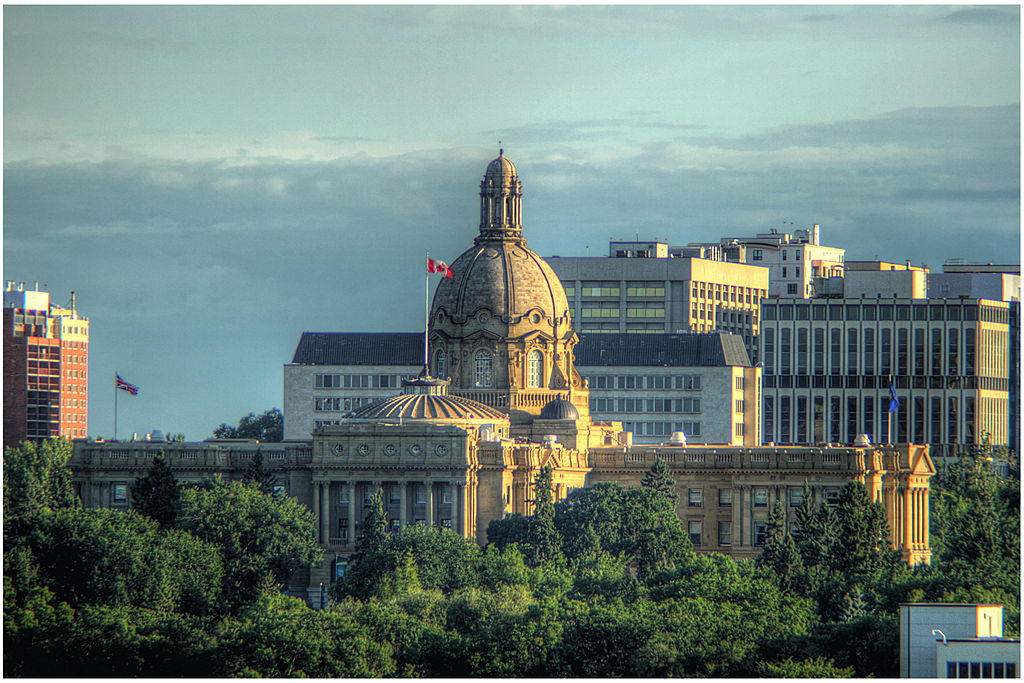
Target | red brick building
(46,367)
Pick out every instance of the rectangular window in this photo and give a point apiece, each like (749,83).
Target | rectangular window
(769,419)
(446,494)
(796,497)
(395,526)
(785,419)
(693,527)
(725,533)
(119,492)
(760,497)
(785,351)
(801,351)
(759,534)
(836,351)
(725,498)
(421,494)
(343,529)
(696,497)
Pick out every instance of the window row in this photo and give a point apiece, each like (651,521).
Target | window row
(645,405)
(981,669)
(759,496)
(340,403)
(881,311)
(882,382)
(836,351)
(691,382)
(690,429)
(821,419)
(323,381)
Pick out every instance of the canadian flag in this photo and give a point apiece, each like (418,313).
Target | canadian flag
(438,267)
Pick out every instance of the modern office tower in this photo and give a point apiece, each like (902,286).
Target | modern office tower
(46,366)
(641,287)
(795,260)
(828,364)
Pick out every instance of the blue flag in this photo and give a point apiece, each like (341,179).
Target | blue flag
(894,403)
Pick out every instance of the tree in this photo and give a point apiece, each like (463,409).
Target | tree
(258,536)
(259,477)
(157,495)
(36,476)
(546,540)
(268,427)
(659,479)
(114,558)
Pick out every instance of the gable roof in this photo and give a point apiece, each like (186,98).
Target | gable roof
(359,348)
(714,349)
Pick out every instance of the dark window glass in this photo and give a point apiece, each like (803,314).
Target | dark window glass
(836,351)
(819,351)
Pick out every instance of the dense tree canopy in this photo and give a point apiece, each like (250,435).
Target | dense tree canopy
(259,536)
(157,495)
(602,584)
(268,427)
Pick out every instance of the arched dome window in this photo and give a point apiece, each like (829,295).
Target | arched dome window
(439,364)
(484,375)
(534,369)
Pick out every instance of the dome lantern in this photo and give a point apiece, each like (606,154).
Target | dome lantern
(501,201)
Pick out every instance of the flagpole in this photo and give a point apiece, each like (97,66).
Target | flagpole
(115,407)
(426,314)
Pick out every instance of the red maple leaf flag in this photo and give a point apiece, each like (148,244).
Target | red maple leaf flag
(438,267)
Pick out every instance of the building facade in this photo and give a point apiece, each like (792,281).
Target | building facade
(948,640)
(464,447)
(828,366)
(700,386)
(643,288)
(46,367)
(795,261)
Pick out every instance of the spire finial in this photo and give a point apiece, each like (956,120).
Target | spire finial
(501,151)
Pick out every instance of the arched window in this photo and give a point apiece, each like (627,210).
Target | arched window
(534,369)
(483,377)
(439,365)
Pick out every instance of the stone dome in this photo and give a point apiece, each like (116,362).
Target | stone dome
(559,409)
(501,168)
(433,408)
(503,279)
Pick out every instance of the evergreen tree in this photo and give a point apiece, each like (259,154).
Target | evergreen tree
(774,536)
(659,478)
(257,476)
(546,540)
(374,531)
(157,495)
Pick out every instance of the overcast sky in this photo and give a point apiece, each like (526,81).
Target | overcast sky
(213,181)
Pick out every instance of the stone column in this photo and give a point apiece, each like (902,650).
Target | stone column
(927,520)
(403,504)
(316,509)
(430,502)
(737,516)
(351,512)
(457,525)
(907,516)
(325,512)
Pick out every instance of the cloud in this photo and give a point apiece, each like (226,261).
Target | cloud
(181,264)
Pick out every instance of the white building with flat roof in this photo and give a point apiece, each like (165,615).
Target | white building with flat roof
(942,640)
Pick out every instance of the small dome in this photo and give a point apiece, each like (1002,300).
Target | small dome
(559,409)
(431,407)
(500,168)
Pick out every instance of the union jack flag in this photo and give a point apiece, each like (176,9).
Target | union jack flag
(125,386)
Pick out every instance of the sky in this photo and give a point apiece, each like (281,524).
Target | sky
(212,181)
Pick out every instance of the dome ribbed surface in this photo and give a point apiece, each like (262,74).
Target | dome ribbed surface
(505,278)
(559,409)
(426,407)
(500,167)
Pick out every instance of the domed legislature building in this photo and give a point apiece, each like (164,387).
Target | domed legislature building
(461,444)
